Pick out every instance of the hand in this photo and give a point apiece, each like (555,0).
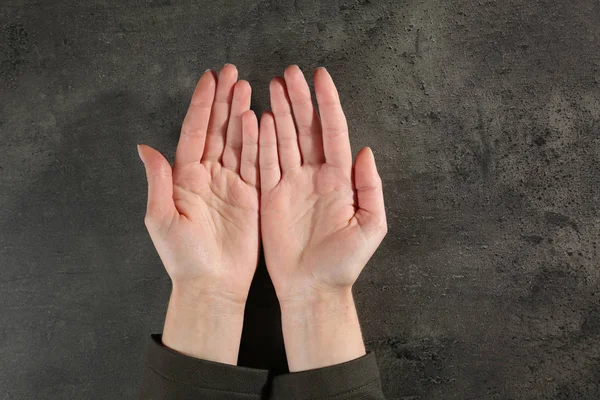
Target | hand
(202,216)
(320,222)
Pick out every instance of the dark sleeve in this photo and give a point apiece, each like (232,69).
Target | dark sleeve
(169,375)
(355,379)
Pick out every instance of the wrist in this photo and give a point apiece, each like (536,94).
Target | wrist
(317,303)
(321,329)
(205,305)
(203,325)
(194,293)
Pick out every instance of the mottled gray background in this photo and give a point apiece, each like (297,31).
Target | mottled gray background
(484,117)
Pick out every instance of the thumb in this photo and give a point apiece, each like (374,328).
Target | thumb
(160,185)
(369,193)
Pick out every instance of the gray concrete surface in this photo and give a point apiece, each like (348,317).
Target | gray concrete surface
(484,117)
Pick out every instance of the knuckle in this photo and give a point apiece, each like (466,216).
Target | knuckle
(305,128)
(287,141)
(150,220)
(234,145)
(248,162)
(303,101)
(283,113)
(334,132)
(330,101)
(158,174)
(377,180)
(155,221)
(385,229)
(269,165)
(380,225)
(267,144)
(192,133)
(216,130)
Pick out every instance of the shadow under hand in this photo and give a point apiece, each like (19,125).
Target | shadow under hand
(262,339)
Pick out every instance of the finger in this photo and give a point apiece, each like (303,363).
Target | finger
(233,142)
(270,173)
(160,207)
(336,144)
(287,140)
(305,115)
(217,127)
(193,129)
(249,157)
(369,193)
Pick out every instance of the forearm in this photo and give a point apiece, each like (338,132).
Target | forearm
(202,326)
(321,331)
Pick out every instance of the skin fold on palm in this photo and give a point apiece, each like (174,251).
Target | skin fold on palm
(321,217)
(202,214)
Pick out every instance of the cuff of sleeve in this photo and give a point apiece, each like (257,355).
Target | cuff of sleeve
(203,374)
(328,381)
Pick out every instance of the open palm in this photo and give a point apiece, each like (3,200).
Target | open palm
(202,214)
(320,222)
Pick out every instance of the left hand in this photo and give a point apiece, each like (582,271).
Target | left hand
(202,215)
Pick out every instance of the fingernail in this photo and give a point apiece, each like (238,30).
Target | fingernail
(207,70)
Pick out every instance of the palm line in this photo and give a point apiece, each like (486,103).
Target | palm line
(210,205)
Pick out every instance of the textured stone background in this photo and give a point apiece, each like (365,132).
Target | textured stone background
(484,117)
